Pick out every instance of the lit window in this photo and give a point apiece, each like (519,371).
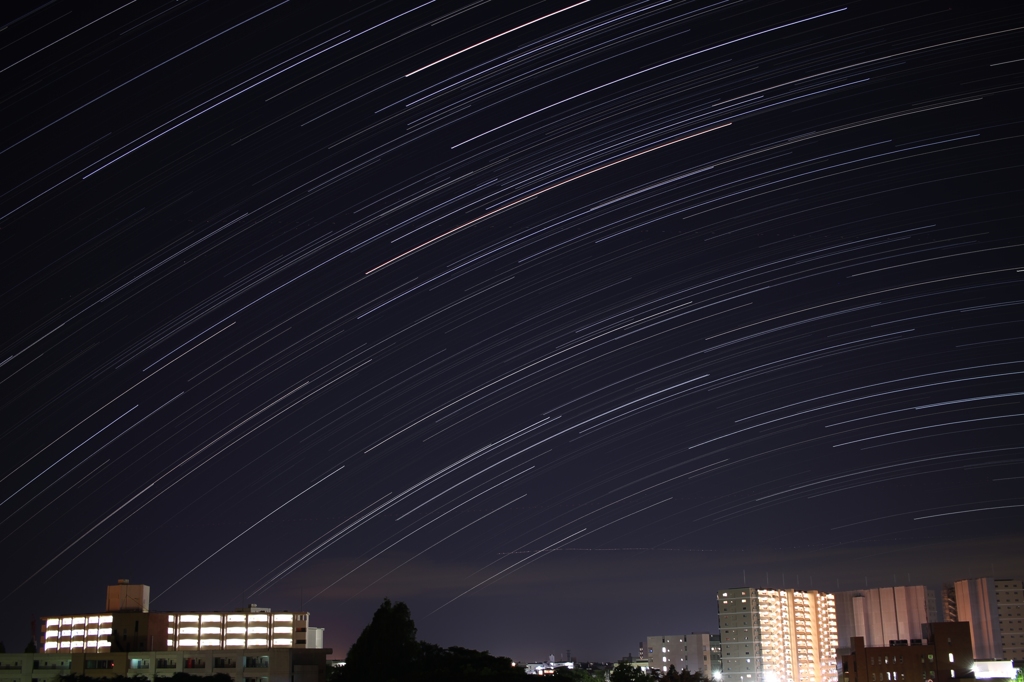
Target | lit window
(78,621)
(951,657)
(209,631)
(81,633)
(52,622)
(75,645)
(170,642)
(236,618)
(282,641)
(52,633)
(234,642)
(210,618)
(186,643)
(235,630)
(258,630)
(258,618)
(50,645)
(91,644)
(287,630)
(210,642)
(189,619)
(188,631)
(93,620)
(258,642)
(105,631)
(106,619)
(282,617)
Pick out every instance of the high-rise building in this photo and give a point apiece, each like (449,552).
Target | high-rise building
(699,652)
(1010,611)
(777,635)
(884,614)
(974,601)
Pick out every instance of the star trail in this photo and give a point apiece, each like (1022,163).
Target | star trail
(547,318)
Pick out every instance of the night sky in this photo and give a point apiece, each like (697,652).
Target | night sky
(547,318)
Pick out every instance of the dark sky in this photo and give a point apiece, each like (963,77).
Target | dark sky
(549,319)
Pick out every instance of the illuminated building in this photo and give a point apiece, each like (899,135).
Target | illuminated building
(250,645)
(128,625)
(883,614)
(699,652)
(777,635)
(974,601)
(944,653)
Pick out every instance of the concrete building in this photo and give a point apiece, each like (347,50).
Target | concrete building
(943,653)
(883,614)
(1010,613)
(777,635)
(128,625)
(252,665)
(698,652)
(974,601)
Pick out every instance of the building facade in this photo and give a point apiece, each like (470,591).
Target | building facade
(1010,613)
(777,635)
(974,601)
(883,614)
(251,665)
(698,652)
(253,644)
(128,625)
(943,653)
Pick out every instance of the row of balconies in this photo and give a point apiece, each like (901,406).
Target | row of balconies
(204,618)
(53,646)
(78,620)
(77,632)
(230,642)
(232,630)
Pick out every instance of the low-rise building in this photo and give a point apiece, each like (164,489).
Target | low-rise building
(698,652)
(254,644)
(129,625)
(944,653)
(251,665)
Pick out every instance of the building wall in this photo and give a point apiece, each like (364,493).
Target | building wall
(253,665)
(694,652)
(881,615)
(974,601)
(129,631)
(1010,613)
(777,635)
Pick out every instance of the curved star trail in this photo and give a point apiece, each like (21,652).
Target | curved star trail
(314,303)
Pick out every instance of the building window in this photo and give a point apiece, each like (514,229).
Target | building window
(97,664)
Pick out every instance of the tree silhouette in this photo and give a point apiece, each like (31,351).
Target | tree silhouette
(624,672)
(386,650)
